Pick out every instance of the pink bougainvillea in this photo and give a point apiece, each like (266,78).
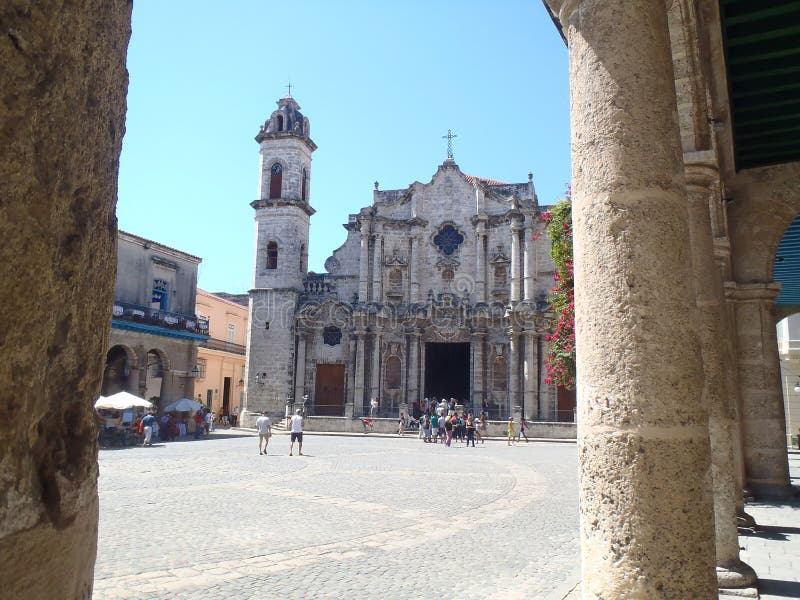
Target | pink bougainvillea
(560,353)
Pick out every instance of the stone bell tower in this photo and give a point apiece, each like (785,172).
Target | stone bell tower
(281,255)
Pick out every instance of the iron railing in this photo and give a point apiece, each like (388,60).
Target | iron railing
(125,311)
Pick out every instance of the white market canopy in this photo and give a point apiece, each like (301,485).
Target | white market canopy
(121,401)
(184,404)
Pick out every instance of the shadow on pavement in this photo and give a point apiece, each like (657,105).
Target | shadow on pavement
(778,587)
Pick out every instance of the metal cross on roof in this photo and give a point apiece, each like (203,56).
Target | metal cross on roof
(290,88)
(449,137)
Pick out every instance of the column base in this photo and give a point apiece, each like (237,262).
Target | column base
(736,575)
(348,410)
(744,520)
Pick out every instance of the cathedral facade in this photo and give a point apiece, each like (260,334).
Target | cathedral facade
(439,290)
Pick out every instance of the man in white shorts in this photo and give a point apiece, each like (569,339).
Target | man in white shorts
(264,428)
(297,431)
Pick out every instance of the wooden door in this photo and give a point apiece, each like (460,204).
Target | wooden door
(329,391)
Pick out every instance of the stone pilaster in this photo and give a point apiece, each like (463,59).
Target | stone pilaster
(363,264)
(300,369)
(480,262)
(478,368)
(413,271)
(514,407)
(762,417)
(515,295)
(351,374)
(717,397)
(529,265)
(413,368)
(530,373)
(642,430)
(375,368)
(421,368)
(377,268)
(358,387)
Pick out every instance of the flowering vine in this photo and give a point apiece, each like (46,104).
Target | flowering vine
(559,357)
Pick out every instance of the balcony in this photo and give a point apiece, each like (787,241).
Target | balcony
(213,344)
(319,286)
(134,313)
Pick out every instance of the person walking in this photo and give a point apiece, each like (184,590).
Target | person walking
(448,430)
(147,424)
(511,433)
(470,425)
(522,425)
(297,432)
(402,423)
(234,416)
(198,424)
(264,428)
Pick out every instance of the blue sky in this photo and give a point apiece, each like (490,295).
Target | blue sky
(381,83)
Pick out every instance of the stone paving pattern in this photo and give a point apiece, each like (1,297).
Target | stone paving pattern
(395,518)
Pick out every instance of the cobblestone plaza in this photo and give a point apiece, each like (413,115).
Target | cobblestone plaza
(388,517)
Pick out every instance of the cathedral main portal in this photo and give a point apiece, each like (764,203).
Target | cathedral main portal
(447,370)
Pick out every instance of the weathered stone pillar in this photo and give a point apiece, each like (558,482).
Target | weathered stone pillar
(62,119)
(478,370)
(762,418)
(647,528)
(358,388)
(413,270)
(300,369)
(516,227)
(530,372)
(363,264)
(375,369)
(513,373)
(351,375)
(700,177)
(421,367)
(377,269)
(413,367)
(480,262)
(529,264)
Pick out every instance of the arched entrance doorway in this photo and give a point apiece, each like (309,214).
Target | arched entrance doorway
(117,374)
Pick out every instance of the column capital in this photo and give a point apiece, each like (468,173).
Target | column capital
(753,292)
(479,332)
(563,9)
(700,169)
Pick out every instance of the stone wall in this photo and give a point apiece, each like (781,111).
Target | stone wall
(62,118)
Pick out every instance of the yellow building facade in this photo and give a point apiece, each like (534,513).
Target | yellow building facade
(221,359)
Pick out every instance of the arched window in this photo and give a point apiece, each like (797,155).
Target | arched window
(275,180)
(272,255)
(280,122)
(303,186)
(393,373)
(500,375)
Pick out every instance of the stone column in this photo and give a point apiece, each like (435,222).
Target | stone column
(762,418)
(63,82)
(375,370)
(642,429)
(351,376)
(413,276)
(300,369)
(478,370)
(516,227)
(480,262)
(363,264)
(529,263)
(514,407)
(716,396)
(421,367)
(377,270)
(530,372)
(358,387)
(413,368)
